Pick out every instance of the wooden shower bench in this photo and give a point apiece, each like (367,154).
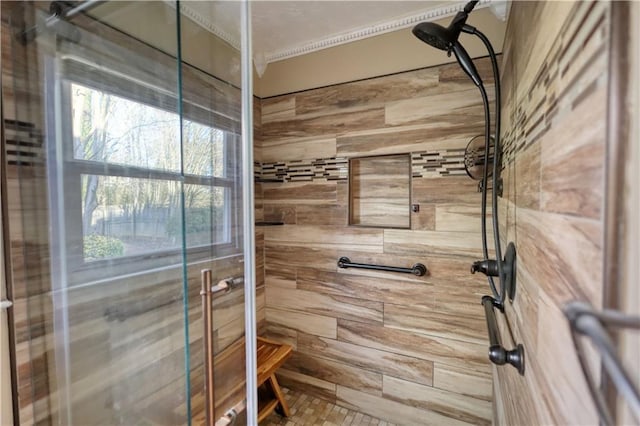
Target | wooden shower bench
(271,356)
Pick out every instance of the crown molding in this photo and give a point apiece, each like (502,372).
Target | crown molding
(206,23)
(430,14)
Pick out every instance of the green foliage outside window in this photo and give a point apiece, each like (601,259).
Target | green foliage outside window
(100,247)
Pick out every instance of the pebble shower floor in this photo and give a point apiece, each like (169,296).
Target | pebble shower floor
(307,410)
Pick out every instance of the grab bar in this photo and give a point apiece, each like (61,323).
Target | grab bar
(583,319)
(497,353)
(418,269)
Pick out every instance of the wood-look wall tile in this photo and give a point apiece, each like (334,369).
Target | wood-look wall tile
(278,109)
(308,384)
(559,374)
(555,253)
(228,334)
(259,259)
(556,106)
(463,381)
(425,219)
(572,167)
(453,72)
(276,150)
(280,276)
(335,372)
(389,363)
(299,193)
(523,310)
(437,349)
(367,92)
(432,242)
(336,235)
(300,256)
(320,125)
(464,302)
(308,323)
(527,177)
(281,334)
(326,214)
(467,103)
(323,304)
(452,133)
(434,323)
(521,410)
(463,408)
(280,213)
(533,49)
(462,218)
(258,201)
(381,290)
(231,305)
(447,190)
(391,411)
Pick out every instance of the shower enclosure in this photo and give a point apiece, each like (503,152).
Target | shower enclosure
(126,175)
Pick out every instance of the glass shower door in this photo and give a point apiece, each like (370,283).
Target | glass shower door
(115,183)
(122,129)
(213,206)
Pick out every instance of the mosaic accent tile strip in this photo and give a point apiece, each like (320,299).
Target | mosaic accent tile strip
(556,92)
(328,169)
(433,164)
(426,164)
(23,143)
(257,171)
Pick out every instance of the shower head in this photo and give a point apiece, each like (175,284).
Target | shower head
(447,39)
(435,35)
(440,37)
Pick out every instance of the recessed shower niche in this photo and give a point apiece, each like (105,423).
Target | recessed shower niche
(380,191)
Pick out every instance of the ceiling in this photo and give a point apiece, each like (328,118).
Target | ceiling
(284,29)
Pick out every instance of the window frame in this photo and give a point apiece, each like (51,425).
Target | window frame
(80,271)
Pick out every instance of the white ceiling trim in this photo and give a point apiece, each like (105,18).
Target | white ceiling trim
(431,14)
(205,23)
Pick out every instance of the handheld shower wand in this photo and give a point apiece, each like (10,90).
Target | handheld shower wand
(447,39)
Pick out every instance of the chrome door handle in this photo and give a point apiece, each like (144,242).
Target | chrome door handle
(5,304)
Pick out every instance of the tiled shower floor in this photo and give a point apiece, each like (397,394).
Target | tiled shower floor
(311,411)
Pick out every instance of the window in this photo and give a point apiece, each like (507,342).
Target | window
(127,176)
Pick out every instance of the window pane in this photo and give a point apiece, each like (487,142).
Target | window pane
(204,152)
(206,215)
(126,216)
(111,129)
